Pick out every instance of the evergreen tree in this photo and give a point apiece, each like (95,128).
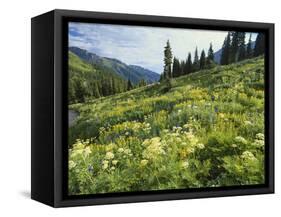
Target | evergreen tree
(188,64)
(176,67)
(71,91)
(226,50)
(242,46)
(129,85)
(234,47)
(142,83)
(211,56)
(80,90)
(196,63)
(182,68)
(168,61)
(210,62)
(202,60)
(249,51)
(260,45)
(237,48)
(96,92)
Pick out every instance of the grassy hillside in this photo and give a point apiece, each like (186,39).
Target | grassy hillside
(201,130)
(90,81)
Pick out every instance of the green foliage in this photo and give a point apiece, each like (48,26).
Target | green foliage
(260,45)
(204,129)
(88,81)
(225,56)
(196,62)
(202,62)
(168,61)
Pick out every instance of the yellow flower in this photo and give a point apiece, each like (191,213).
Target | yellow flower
(221,115)
(143,162)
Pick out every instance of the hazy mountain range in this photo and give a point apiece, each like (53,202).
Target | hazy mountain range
(132,72)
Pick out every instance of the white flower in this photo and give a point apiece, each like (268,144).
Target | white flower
(109,155)
(127,151)
(105,164)
(185,164)
(240,139)
(114,162)
(71,164)
(87,151)
(247,155)
(260,136)
(200,146)
(120,150)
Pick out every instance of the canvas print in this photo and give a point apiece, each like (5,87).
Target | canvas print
(156,108)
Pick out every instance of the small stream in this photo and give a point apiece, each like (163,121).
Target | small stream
(72,116)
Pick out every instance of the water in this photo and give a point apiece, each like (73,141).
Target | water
(72,115)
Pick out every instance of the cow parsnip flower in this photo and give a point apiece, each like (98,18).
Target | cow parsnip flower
(105,164)
(240,139)
(200,146)
(120,150)
(87,151)
(114,162)
(247,155)
(260,136)
(109,155)
(185,164)
(71,164)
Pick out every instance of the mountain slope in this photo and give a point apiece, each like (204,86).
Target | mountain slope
(90,81)
(205,129)
(134,73)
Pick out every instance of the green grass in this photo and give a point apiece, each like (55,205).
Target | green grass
(206,130)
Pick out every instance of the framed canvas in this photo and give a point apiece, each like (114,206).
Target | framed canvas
(134,108)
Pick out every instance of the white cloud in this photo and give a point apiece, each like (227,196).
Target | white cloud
(142,45)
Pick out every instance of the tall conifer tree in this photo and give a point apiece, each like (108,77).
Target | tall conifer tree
(249,51)
(196,64)
(202,60)
(168,59)
(260,45)
(225,55)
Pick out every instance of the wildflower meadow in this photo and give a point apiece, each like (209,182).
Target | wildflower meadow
(205,129)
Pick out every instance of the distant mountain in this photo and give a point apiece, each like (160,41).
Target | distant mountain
(132,72)
(149,75)
(217,54)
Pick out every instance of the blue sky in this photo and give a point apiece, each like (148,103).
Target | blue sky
(140,45)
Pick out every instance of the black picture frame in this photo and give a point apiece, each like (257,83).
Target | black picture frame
(49,107)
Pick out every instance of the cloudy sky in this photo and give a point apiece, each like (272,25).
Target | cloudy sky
(142,46)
